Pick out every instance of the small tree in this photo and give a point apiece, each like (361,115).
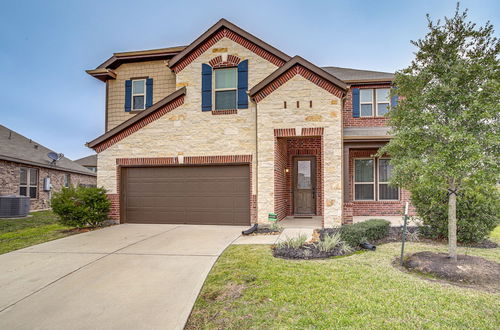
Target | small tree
(446,125)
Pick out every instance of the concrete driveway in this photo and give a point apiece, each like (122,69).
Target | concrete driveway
(122,277)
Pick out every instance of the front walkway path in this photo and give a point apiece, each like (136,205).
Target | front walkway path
(122,277)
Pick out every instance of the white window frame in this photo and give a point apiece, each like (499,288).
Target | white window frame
(28,181)
(215,90)
(372,102)
(383,182)
(67,180)
(372,183)
(138,94)
(377,102)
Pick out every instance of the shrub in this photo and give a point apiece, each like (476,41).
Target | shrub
(329,242)
(477,212)
(293,242)
(81,206)
(366,231)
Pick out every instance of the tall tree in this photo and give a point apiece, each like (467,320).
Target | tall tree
(446,124)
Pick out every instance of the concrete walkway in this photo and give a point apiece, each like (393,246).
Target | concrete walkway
(122,277)
(273,239)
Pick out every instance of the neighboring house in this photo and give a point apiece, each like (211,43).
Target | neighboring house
(89,162)
(25,167)
(229,129)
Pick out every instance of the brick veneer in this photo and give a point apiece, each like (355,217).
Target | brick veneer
(174,161)
(288,146)
(289,74)
(10,175)
(350,121)
(226,33)
(217,61)
(370,208)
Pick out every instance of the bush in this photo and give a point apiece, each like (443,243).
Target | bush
(293,242)
(477,212)
(329,242)
(366,231)
(82,206)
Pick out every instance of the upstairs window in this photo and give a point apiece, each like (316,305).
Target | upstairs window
(139,94)
(28,182)
(226,87)
(374,101)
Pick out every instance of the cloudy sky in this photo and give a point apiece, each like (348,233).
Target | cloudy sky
(45,46)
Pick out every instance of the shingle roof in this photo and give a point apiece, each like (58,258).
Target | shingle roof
(87,161)
(17,148)
(354,75)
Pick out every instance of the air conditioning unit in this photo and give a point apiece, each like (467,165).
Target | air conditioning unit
(14,206)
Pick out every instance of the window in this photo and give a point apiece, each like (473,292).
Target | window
(28,182)
(364,182)
(386,192)
(138,94)
(67,180)
(366,102)
(374,101)
(225,88)
(382,101)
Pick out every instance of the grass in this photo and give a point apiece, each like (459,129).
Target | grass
(19,233)
(248,288)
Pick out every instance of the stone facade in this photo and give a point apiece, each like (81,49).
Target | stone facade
(310,106)
(10,175)
(163,85)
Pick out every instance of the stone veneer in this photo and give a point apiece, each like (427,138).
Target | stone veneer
(308,105)
(163,85)
(9,182)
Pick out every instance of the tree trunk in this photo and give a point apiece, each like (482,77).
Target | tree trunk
(452,223)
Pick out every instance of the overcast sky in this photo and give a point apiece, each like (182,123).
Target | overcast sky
(45,46)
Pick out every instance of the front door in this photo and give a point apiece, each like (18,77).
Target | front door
(304,185)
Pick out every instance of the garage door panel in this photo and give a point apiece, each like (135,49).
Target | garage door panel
(188,194)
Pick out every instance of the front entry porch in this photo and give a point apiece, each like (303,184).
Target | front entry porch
(298,182)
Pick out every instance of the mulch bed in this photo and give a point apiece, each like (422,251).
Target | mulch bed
(468,270)
(308,251)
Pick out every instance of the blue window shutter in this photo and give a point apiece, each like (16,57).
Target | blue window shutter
(355,102)
(394,101)
(149,92)
(243,85)
(206,87)
(128,95)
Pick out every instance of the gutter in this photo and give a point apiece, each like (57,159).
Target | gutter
(27,162)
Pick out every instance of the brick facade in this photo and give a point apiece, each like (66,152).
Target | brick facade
(350,121)
(10,176)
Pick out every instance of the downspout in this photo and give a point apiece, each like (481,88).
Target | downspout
(256,167)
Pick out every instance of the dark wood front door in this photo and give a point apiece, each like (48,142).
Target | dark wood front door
(304,185)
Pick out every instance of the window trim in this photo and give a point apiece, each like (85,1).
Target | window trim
(215,89)
(138,94)
(372,103)
(384,182)
(372,183)
(377,102)
(28,181)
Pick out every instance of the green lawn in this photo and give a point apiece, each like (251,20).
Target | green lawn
(19,233)
(248,288)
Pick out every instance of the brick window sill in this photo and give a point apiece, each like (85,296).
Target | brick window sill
(225,112)
(378,202)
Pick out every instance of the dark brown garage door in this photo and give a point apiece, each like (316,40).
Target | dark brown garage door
(215,195)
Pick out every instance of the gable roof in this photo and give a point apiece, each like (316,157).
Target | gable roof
(87,161)
(138,121)
(105,70)
(354,75)
(16,148)
(221,24)
(297,61)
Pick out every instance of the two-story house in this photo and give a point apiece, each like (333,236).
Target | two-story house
(229,129)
